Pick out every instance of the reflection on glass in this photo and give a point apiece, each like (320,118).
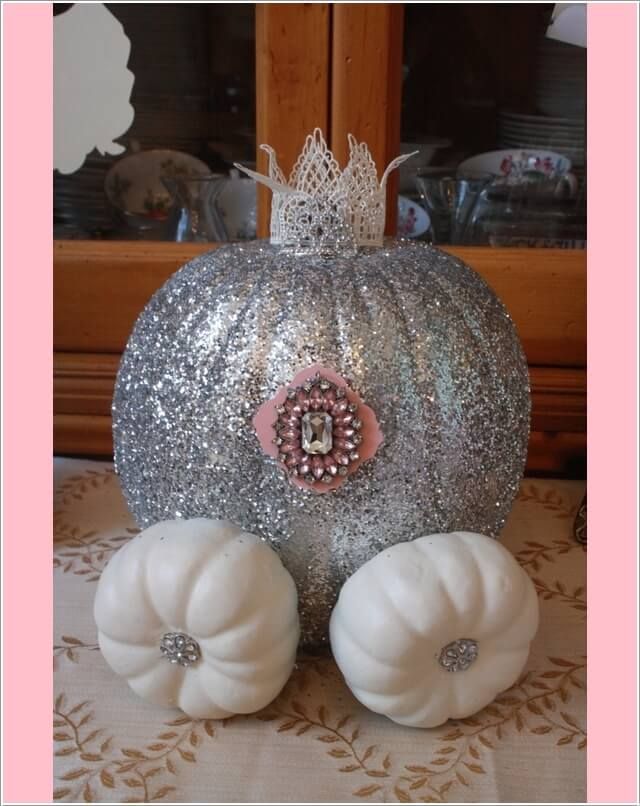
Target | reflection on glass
(450,200)
(531,214)
(194,94)
(197,199)
(482,81)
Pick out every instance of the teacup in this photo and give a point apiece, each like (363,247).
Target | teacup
(517,166)
(134,186)
(238,206)
(214,207)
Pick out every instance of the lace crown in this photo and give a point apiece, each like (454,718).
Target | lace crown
(322,208)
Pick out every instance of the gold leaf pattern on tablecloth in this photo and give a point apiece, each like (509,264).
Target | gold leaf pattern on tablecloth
(76,487)
(85,554)
(342,752)
(102,767)
(534,553)
(71,647)
(76,550)
(339,731)
(557,590)
(549,499)
(536,704)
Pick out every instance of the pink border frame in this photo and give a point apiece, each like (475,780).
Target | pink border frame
(27,252)
(27,395)
(612,394)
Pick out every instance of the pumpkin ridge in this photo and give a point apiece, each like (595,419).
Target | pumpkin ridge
(249,301)
(360,299)
(367,653)
(489,372)
(355,639)
(470,542)
(485,679)
(250,687)
(394,295)
(245,604)
(343,323)
(175,673)
(478,577)
(256,621)
(144,587)
(421,548)
(202,547)
(269,666)
(387,281)
(400,704)
(398,613)
(432,703)
(522,603)
(113,575)
(530,601)
(186,691)
(416,546)
(108,651)
(282,627)
(340,323)
(148,645)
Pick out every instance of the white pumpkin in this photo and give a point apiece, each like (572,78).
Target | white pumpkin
(201,615)
(435,628)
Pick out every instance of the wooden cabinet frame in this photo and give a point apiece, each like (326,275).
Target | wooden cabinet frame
(337,67)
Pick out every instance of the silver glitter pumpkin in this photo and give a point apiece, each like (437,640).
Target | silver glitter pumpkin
(421,338)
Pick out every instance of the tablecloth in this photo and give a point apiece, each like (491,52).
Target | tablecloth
(315,743)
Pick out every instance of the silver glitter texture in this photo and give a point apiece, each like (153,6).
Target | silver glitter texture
(418,334)
(180,648)
(458,655)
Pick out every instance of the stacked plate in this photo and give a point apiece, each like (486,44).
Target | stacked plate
(561,134)
(79,202)
(561,79)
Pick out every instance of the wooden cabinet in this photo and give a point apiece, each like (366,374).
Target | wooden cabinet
(338,67)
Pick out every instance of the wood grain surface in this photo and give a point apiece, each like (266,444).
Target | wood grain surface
(366,64)
(101,287)
(292,83)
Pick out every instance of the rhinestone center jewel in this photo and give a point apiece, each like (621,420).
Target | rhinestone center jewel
(180,648)
(317,432)
(458,655)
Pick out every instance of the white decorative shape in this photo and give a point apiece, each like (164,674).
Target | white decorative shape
(569,24)
(435,628)
(91,85)
(322,208)
(223,593)
(276,175)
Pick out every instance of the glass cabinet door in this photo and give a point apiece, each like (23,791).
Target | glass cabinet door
(496,111)
(194,102)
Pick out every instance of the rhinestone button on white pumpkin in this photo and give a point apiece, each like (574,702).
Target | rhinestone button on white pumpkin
(434,629)
(200,615)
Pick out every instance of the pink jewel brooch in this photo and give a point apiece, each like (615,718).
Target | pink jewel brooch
(322,430)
